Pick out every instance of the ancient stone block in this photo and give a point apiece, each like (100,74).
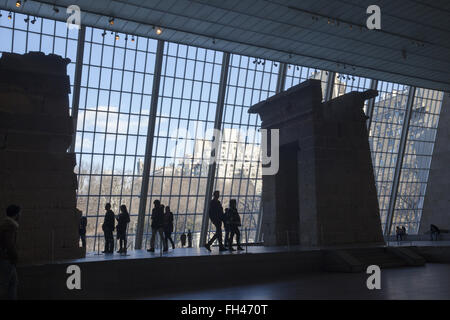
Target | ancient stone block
(36,172)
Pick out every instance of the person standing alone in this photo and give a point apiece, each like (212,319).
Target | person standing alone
(108,229)
(122,225)
(216,217)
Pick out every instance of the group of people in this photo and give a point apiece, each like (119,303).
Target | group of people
(108,227)
(400,232)
(231,221)
(162,224)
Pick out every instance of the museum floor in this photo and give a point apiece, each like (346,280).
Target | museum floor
(410,283)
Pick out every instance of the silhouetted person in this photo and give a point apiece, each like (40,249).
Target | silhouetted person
(434,231)
(216,217)
(9,227)
(157,225)
(235,223)
(189,238)
(168,226)
(227,227)
(82,231)
(108,229)
(398,233)
(183,239)
(122,225)
(403,233)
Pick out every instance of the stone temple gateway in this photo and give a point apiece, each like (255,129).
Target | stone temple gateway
(324,193)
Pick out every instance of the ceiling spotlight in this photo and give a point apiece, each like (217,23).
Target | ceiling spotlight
(158,31)
(111,21)
(275,64)
(298,68)
(117,36)
(104,33)
(1,15)
(18,4)
(289,66)
(214,41)
(34,20)
(254,61)
(56,9)
(263,62)
(10,15)
(132,38)
(27,19)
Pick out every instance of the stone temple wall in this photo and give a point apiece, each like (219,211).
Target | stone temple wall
(324,193)
(36,171)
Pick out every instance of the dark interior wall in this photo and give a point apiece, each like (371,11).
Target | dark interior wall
(287,204)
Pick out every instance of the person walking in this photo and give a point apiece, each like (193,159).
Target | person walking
(227,227)
(216,217)
(122,225)
(235,223)
(108,229)
(168,227)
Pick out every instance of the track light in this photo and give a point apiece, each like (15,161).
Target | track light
(275,64)
(34,20)
(56,9)
(111,21)
(117,36)
(10,15)
(104,33)
(27,19)
(18,3)
(158,31)
(132,38)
